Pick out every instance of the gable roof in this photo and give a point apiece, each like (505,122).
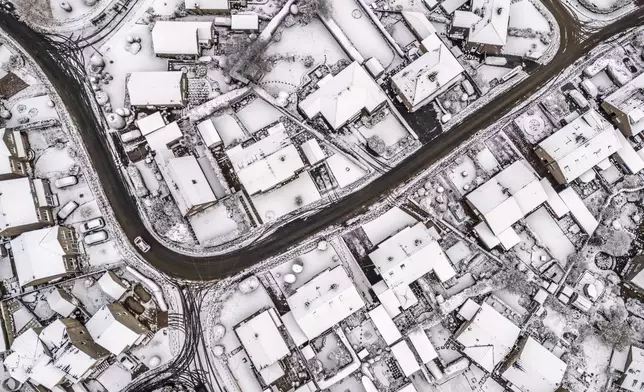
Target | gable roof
(492,28)
(17,206)
(262,340)
(38,255)
(536,369)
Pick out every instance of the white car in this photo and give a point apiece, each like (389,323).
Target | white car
(95,238)
(64,182)
(67,210)
(92,225)
(141,244)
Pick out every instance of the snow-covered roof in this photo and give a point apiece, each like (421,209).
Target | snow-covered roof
(115,378)
(464,19)
(192,188)
(580,145)
(385,325)
(262,340)
(627,155)
(344,97)
(629,100)
(324,301)
(451,5)
(17,207)
(209,133)
(180,37)
(508,196)
(408,388)
(634,371)
(30,360)
(344,171)
(38,255)
(488,337)
(61,302)
(312,151)
(468,309)
(432,71)
(419,24)
(293,329)
(112,285)
(207,5)
(157,88)
(555,203)
(387,298)
(160,139)
(492,28)
(422,345)
(408,255)
(244,22)
(405,358)
(6,154)
(151,123)
(579,211)
(535,369)
(113,328)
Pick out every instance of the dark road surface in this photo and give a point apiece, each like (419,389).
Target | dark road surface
(572,47)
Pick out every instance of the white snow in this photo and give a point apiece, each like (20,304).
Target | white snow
(257,115)
(35,109)
(390,130)
(158,347)
(211,223)
(281,201)
(550,234)
(344,170)
(387,224)
(228,129)
(523,15)
(313,262)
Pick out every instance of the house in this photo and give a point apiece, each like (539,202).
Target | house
(405,358)
(418,24)
(264,344)
(43,255)
(407,256)
(488,337)
(503,200)
(209,133)
(14,154)
(532,368)
(181,38)
(484,27)
(344,97)
(62,302)
(579,211)
(312,151)
(112,285)
(208,6)
(634,274)
(115,329)
(25,204)
(385,325)
(31,361)
(633,379)
(72,348)
(162,89)
(428,76)
(626,106)
(150,123)
(324,301)
(244,22)
(577,147)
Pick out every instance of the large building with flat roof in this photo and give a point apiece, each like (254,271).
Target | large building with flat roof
(162,89)
(181,38)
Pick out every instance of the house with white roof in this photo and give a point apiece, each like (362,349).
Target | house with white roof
(324,301)
(488,337)
(405,358)
(577,147)
(428,76)
(312,151)
(163,89)
(115,329)
(112,285)
(244,22)
(264,344)
(25,204)
(181,38)
(626,106)
(344,97)
(503,200)
(72,348)
(208,6)
(209,133)
(485,27)
(43,255)
(62,302)
(150,123)
(407,256)
(14,154)
(532,368)
(633,379)
(419,24)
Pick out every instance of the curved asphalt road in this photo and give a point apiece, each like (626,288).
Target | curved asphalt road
(572,47)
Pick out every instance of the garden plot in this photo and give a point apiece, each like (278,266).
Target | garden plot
(257,115)
(534,124)
(550,234)
(120,61)
(212,223)
(387,224)
(603,83)
(91,297)
(53,162)
(32,109)
(361,31)
(149,178)
(158,347)
(228,129)
(463,175)
(298,42)
(390,130)
(289,197)
(529,252)
(351,383)
(313,263)
(401,33)
(102,254)
(439,336)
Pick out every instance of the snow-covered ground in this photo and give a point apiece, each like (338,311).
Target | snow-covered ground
(257,115)
(313,262)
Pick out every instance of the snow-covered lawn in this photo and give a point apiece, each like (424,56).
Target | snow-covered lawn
(165,7)
(119,61)
(228,129)
(313,262)
(115,378)
(402,34)
(299,41)
(100,254)
(344,170)
(34,109)
(240,367)
(53,162)
(158,347)
(387,224)
(486,73)
(550,234)
(597,357)
(390,130)
(257,115)
(519,46)
(283,200)
(149,178)
(92,297)
(463,175)
(79,8)
(212,223)
(524,15)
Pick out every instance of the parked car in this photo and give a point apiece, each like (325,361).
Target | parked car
(92,225)
(64,182)
(141,244)
(95,238)
(67,210)
(131,135)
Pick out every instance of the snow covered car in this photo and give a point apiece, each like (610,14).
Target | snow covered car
(92,225)
(67,210)
(95,238)
(64,182)
(142,245)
